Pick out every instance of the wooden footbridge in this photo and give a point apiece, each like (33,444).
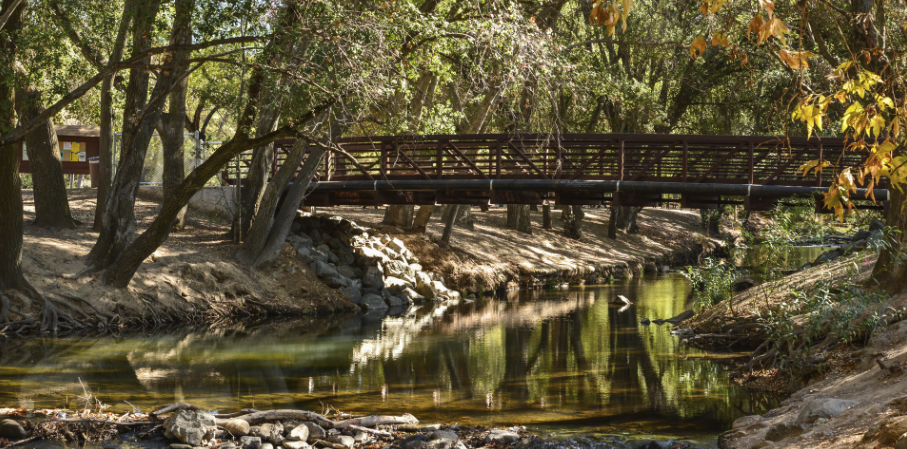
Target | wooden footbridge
(588,169)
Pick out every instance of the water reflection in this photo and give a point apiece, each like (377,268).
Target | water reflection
(564,360)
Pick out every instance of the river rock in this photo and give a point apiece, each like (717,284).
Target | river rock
(299,433)
(12,430)
(396,284)
(396,268)
(360,437)
(783,430)
(373,278)
(272,432)
(368,255)
(748,422)
(339,281)
(413,295)
(448,435)
(190,427)
(316,432)
(352,292)
(347,271)
(250,442)
(237,427)
(266,446)
(373,303)
(344,440)
(296,445)
(501,437)
(823,408)
(180,446)
(324,270)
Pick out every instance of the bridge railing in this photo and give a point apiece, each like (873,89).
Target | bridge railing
(624,157)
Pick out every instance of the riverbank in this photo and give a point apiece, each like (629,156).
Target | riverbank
(843,383)
(192,277)
(491,256)
(183,426)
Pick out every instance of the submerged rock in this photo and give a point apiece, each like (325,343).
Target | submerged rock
(501,437)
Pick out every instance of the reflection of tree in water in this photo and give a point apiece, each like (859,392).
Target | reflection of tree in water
(562,358)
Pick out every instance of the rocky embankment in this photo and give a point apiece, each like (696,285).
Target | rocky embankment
(377,272)
(187,427)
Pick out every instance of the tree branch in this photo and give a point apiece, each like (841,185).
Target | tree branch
(9,12)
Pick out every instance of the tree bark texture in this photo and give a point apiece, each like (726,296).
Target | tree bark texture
(260,168)
(139,122)
(546,217)
(51,204)
(572,216)
(398,215)
(891,268)
(420,223)
(449,220)
(10,185)
(106,141)
(624,218)
(264,219)
(173,123)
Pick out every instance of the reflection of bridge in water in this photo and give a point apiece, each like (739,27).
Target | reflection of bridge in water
(592,169)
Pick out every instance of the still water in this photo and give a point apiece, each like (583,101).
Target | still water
(559,360)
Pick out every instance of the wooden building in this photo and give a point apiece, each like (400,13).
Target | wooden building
(77,145)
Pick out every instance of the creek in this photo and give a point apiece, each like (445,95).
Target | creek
(561,361)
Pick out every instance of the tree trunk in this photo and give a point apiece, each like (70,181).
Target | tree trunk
(518,218)
(106,141)
(284,219)
(624,218)
(259,170)
(546,217)
(572,216)
(174,122)
(264,219)
(398,215)
(466,219)
(51,203)
(422,218)
(449,221)
(10,185)
(891,269)
(105,152)
(511,216)
(118,226)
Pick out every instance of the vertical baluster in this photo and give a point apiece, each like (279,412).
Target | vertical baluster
(685,156)
(751,163)
(620,161)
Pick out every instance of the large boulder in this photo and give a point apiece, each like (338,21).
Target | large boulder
(373,303)
(236,427)
(190,427)
(12,430)
(316,432)
(324,270)
(501,437)
(783,430)
(299,433)
(373,278)
(823,408)
(396,284)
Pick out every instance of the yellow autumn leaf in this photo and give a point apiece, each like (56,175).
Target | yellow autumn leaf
(814,165)
(697,47)
(876,124)
(769,7)
(796,59)
(720,39)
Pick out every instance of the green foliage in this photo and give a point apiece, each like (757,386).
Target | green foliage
(843,314)
(713,282)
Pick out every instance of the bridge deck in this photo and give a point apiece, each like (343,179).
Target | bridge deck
(629,158)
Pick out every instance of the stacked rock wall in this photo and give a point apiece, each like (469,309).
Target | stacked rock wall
(376,272)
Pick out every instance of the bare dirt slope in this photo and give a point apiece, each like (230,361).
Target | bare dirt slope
(192,277)
(491,254)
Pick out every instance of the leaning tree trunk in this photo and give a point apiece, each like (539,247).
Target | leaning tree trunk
(891,270)
(173,138)
(449,220)
(10,185)
(260,169)
(264,219)
(420,223)
(51,203)
(398,215)
(284,219)
(118,225)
